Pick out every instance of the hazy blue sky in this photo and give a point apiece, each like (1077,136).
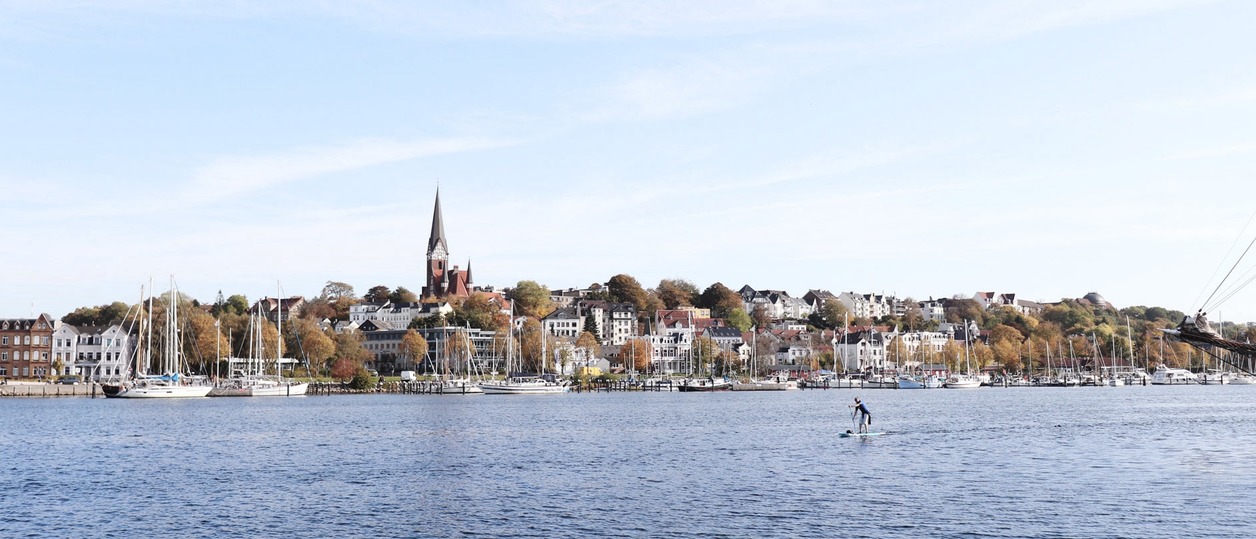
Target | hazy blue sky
(913,148)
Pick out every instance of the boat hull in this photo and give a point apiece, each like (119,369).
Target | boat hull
(162,392)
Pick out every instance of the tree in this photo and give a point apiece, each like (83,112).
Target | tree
(959,310)
(413,348)
(478,311)
(590,327)
(636,353)
(345,368)
(532,299)
(104,315)
(335,290)
(306,340)
(739,319)
(625,289)
(676,293)
(202,340)
(706,352)
(760,317)
(913,317)
(349,346)
(403,295)
(377,294)
(588,341)
(832,314)
(720,299)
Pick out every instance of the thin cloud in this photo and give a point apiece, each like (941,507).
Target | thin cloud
(1214,152)
(236,175)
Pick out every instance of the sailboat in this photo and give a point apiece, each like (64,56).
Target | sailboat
(966,380)
(254,380)
(173,382)
(448,384)
(774,383)
(522,385)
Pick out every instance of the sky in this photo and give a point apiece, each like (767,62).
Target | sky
(921,149)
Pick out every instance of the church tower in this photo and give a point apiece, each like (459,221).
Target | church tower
(437,256)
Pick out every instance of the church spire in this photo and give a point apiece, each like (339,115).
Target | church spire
(438,231)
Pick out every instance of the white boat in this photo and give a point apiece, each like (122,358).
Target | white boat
(934,381)
(907,381)
(1242,380)
(1166,375)
(457,386)
(170,384)
(1215,377)
(775,383)
(704,384)
(962,381)
(523,385)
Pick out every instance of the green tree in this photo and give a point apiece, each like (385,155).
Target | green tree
(739,319)
(403,295)
(590,327)
(532,299)
(832,314)
(377,294)
(676,293)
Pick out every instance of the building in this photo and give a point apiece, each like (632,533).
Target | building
(564,322)
(442,280)
(615,322)
(26,347)
(94,353)
(397,315)
(383,341)
(272,308)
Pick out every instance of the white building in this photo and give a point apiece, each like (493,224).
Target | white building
(564,322)
(95,353)
(397,315)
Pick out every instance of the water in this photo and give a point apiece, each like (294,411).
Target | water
(1016,462)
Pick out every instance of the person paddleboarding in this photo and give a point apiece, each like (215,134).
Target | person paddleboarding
(864,416)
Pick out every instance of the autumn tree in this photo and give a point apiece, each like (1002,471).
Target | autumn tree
(104,315)
(959,310)
(760,317)
(913,317)
(413,348)
(339,296)
(306,340)
(625,289)
(479,311)
(676,293)
(706,352)
(720,299)
(345,368)
(636,353)
(203,343)
(588,341)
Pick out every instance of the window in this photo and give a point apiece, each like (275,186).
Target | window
(4,341)
(4,371)
(27,339)
(4,356)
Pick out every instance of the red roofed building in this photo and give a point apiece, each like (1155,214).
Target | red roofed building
(442,280)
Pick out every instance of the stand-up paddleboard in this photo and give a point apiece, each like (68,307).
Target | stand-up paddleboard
(860,434)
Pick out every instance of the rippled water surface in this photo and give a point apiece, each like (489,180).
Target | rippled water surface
(1015,462)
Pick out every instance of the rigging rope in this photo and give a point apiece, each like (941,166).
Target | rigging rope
(1222,261)
(1227,275)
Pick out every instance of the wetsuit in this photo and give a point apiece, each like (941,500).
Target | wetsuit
(867,416)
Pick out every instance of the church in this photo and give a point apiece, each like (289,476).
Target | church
(443,281)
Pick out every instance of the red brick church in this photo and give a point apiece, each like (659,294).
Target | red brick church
(442,280)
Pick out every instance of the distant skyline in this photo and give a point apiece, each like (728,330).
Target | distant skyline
(920,149)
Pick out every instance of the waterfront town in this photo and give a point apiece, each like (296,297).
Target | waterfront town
(617,328)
